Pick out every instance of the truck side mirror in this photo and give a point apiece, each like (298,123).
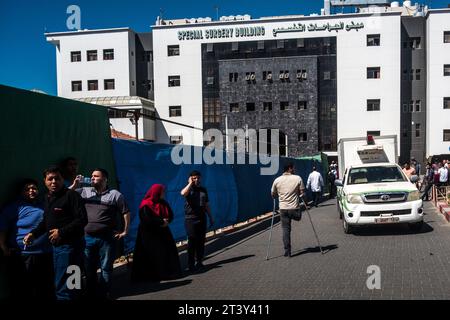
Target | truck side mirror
(338,183)
(414,178)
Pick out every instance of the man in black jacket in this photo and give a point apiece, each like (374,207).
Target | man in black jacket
(64,219)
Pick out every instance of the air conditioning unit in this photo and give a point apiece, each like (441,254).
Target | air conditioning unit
(286,75)
(269,76)
(252,77)
(304,76)
(247,77)
(281,75)
(299,75)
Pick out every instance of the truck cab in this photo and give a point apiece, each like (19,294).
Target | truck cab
(374,190)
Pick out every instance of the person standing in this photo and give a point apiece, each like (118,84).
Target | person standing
(30,267)
(196,208)
(104,206)
(429,179)
(408,170)
(315,184)
(331,178)
(64,220)
(289,189)
(155,256)
(443,175)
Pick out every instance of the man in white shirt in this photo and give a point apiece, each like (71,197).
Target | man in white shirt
(443,175)
(315,183)
(288,188)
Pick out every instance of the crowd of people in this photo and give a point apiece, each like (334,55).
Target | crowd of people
(78,226)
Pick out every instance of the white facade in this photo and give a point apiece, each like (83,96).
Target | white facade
(353,58)
(122,68)
(438,85)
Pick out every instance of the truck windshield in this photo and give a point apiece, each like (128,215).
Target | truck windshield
(375,175)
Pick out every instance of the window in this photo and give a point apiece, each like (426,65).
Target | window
(373,73)
(235,46)
(446,70)
(92,55)
(108,54)
(173,50)
(234,107)
(417,130)
(280,44)
(147,84)
(233,77)
(118,114)
(405,74)
(446,36)
(373,133)
(250,76)
(76,86)
(250,106)
(210,47)
(260,45)
(267,106)
(373,40)
(405,108)
(284,105)
(302,105)
(446,102)
(174,111)
(415,43)
(411,106)
(300,43)
(92,85)
(210,81)
(75,56)
(110,84)
(373,105)
(174,81)
(148,56)
(418,106)
(327,75)
(176,139)
(446,134)
(267,75)
(302,137)
(418,74)
(284,75)
(302,75)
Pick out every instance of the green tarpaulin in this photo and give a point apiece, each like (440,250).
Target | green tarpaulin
(39,130)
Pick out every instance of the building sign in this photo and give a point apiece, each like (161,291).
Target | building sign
(239,32)
(243,32)
(299,27)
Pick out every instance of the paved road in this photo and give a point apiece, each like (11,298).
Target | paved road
(413,265)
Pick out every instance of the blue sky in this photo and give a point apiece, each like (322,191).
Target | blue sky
(27,61)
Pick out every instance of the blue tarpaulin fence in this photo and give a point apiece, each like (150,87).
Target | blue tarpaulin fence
(237,192)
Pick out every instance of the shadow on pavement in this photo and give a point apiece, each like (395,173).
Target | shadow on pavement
(219,264)
(325,250)
(390,230)
(123,287)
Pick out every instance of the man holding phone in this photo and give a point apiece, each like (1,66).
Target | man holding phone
(196,207)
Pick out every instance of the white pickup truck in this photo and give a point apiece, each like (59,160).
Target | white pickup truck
(374,189)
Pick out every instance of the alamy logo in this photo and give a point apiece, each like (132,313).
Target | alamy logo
(74,280)
(254,143)
(74,20)
(374,280)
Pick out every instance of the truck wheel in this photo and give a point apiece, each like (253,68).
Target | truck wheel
(347,228)
(416,227)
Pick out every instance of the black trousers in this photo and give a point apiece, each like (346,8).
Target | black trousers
(196,232)
(425,195)
(316,197)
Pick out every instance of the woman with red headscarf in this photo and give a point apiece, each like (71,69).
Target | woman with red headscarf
(155,253)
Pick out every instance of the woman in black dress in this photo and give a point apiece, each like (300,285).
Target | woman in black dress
(155,253)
